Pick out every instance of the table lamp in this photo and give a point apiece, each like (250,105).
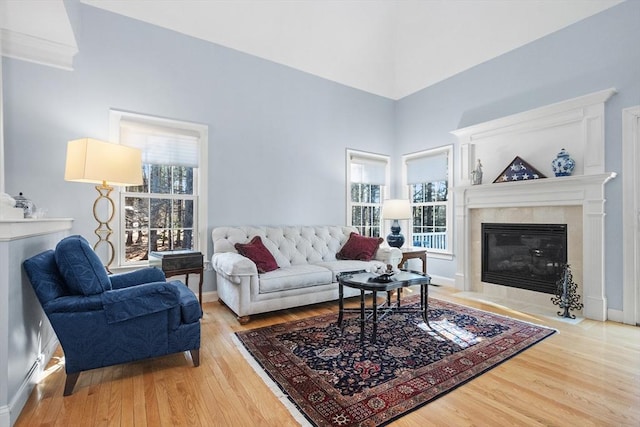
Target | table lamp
(104,163)
(396,209)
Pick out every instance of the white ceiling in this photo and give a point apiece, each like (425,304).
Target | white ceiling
(390,48)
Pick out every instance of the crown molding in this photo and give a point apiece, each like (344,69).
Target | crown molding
(29,48)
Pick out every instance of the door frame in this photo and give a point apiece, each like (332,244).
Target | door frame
(631,214)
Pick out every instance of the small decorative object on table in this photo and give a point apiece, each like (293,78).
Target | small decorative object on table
(563,164)
(382,278)
(385,277)
(566,296)
(476,174)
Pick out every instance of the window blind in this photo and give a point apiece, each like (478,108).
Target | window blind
(427,169)
(162,145)
(366,170)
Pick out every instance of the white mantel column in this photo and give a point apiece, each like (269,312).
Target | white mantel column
(2,168)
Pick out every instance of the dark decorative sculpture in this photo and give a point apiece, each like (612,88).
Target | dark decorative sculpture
(566,296)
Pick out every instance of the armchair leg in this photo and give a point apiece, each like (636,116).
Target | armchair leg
(70,383)
(195,357)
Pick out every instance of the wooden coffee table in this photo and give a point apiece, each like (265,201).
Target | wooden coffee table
(366,282)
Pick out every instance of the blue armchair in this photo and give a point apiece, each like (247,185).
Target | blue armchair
(103,320)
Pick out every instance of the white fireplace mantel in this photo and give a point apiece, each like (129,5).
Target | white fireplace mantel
(536,135)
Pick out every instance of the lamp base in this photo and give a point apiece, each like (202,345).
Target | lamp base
(104,230)
(395,239)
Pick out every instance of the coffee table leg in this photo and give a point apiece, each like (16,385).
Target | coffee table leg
(424,304)
(361,316)
(340,304)
(375,317)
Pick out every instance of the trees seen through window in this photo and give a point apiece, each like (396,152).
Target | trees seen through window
(159,214)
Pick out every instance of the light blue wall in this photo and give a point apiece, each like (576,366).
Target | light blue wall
(597,53)
(277,136)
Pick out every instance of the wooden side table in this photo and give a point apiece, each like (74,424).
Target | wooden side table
(186,272)
(178,263)
(414,252)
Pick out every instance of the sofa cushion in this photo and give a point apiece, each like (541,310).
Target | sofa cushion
(258,253)
(359,247)
(80,267)
(294,277)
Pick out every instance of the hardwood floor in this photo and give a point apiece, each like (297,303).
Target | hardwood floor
(587,374)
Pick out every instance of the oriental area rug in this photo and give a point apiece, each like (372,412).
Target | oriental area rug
(333,379)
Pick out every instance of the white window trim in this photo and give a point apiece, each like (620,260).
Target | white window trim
(2,177)
(385,188)
(448,149)
(115,117)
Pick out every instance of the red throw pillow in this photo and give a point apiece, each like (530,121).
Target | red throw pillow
(359,247)
(258,253)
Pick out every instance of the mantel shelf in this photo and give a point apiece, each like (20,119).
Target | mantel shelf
(21,228)
(568,180)
(563,191)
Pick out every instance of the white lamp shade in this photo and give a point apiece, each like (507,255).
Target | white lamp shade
(396,209)
(91,160)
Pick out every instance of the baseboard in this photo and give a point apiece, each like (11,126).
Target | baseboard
(5,418)
(442,281)
(615,315)
(33,377)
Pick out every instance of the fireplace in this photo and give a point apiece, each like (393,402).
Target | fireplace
(578,200)
(525,256)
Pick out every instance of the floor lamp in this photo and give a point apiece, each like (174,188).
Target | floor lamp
(107,164)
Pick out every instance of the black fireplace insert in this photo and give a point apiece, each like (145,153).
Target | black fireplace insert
(525,256)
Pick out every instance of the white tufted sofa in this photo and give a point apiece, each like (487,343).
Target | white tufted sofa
(306,257)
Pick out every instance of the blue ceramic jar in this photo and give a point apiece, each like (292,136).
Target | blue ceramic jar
(563,164)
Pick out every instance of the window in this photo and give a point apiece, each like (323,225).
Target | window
(427,178)
(367,180)
(168,211)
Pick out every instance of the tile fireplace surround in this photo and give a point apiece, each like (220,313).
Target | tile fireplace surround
(577,200)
